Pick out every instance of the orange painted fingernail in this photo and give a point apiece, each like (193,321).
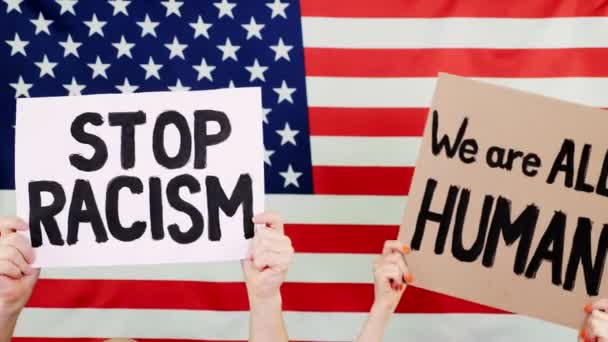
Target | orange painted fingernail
(406,249)
(408,277)
(588,308)
(583,334)
(402,287)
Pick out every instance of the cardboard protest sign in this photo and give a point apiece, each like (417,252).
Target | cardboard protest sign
(140,178)
(508,205)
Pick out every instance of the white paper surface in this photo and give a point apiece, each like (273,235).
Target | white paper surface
(44,144)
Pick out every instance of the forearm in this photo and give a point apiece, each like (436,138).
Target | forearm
(266,320)
(376,323)
(7,326)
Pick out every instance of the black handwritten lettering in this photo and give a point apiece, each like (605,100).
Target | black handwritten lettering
(425,214)
(217,199)
(127,122)
(100,156)
(171,117)
(83,196)
(118,231)
(201,137)
(522,229)
(45,215)
(196,230)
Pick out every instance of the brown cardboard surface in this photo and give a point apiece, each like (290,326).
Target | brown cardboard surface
(532,124)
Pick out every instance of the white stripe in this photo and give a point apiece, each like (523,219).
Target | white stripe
(364,151)
(307,209)
(7,202)
(306,268)
(308,326)
(503,33)
(418,91)
(330,209)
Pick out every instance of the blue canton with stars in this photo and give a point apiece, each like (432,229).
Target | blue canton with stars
(73,47)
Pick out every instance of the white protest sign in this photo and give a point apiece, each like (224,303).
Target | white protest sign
(140,178)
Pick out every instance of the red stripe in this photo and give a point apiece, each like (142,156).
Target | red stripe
(346,180)
(451,8)
(190,295)
(465,62)
(367,121)
(330,238)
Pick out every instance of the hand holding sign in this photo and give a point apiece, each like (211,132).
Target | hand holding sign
(269,257)
(17,277)
(265,268)
(596,327)
(391,276)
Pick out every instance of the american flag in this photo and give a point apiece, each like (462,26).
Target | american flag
(345,86)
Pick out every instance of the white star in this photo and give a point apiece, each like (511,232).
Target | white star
(42,25)
(204,70)
(99,68)
(201,28)
(21,88)
(266,112)
(70,47)
(120,6)
(95,26)
(17,45)
(172,7)
(179,87)
(257,71)
(46,67)
(267,155)
(67,6)
(177,49)
(253,29)
(225,8)
(287,135)
(228,50)
(281,50)
(13,5)
(278,8)
(291,177)
(74,88)
(126,88)
(124,48)
(148,26)
(284,93)
(151,68)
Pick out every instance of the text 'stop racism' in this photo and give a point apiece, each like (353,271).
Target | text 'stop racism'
(140,178)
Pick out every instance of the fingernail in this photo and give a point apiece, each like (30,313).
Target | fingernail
(588,308)
(406,249)
(408,277)
(402,287)
(583,334)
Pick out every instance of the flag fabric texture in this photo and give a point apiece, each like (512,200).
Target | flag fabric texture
(346,85)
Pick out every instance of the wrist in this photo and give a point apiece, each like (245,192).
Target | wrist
(274,302)
(382,310)
(8,318)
